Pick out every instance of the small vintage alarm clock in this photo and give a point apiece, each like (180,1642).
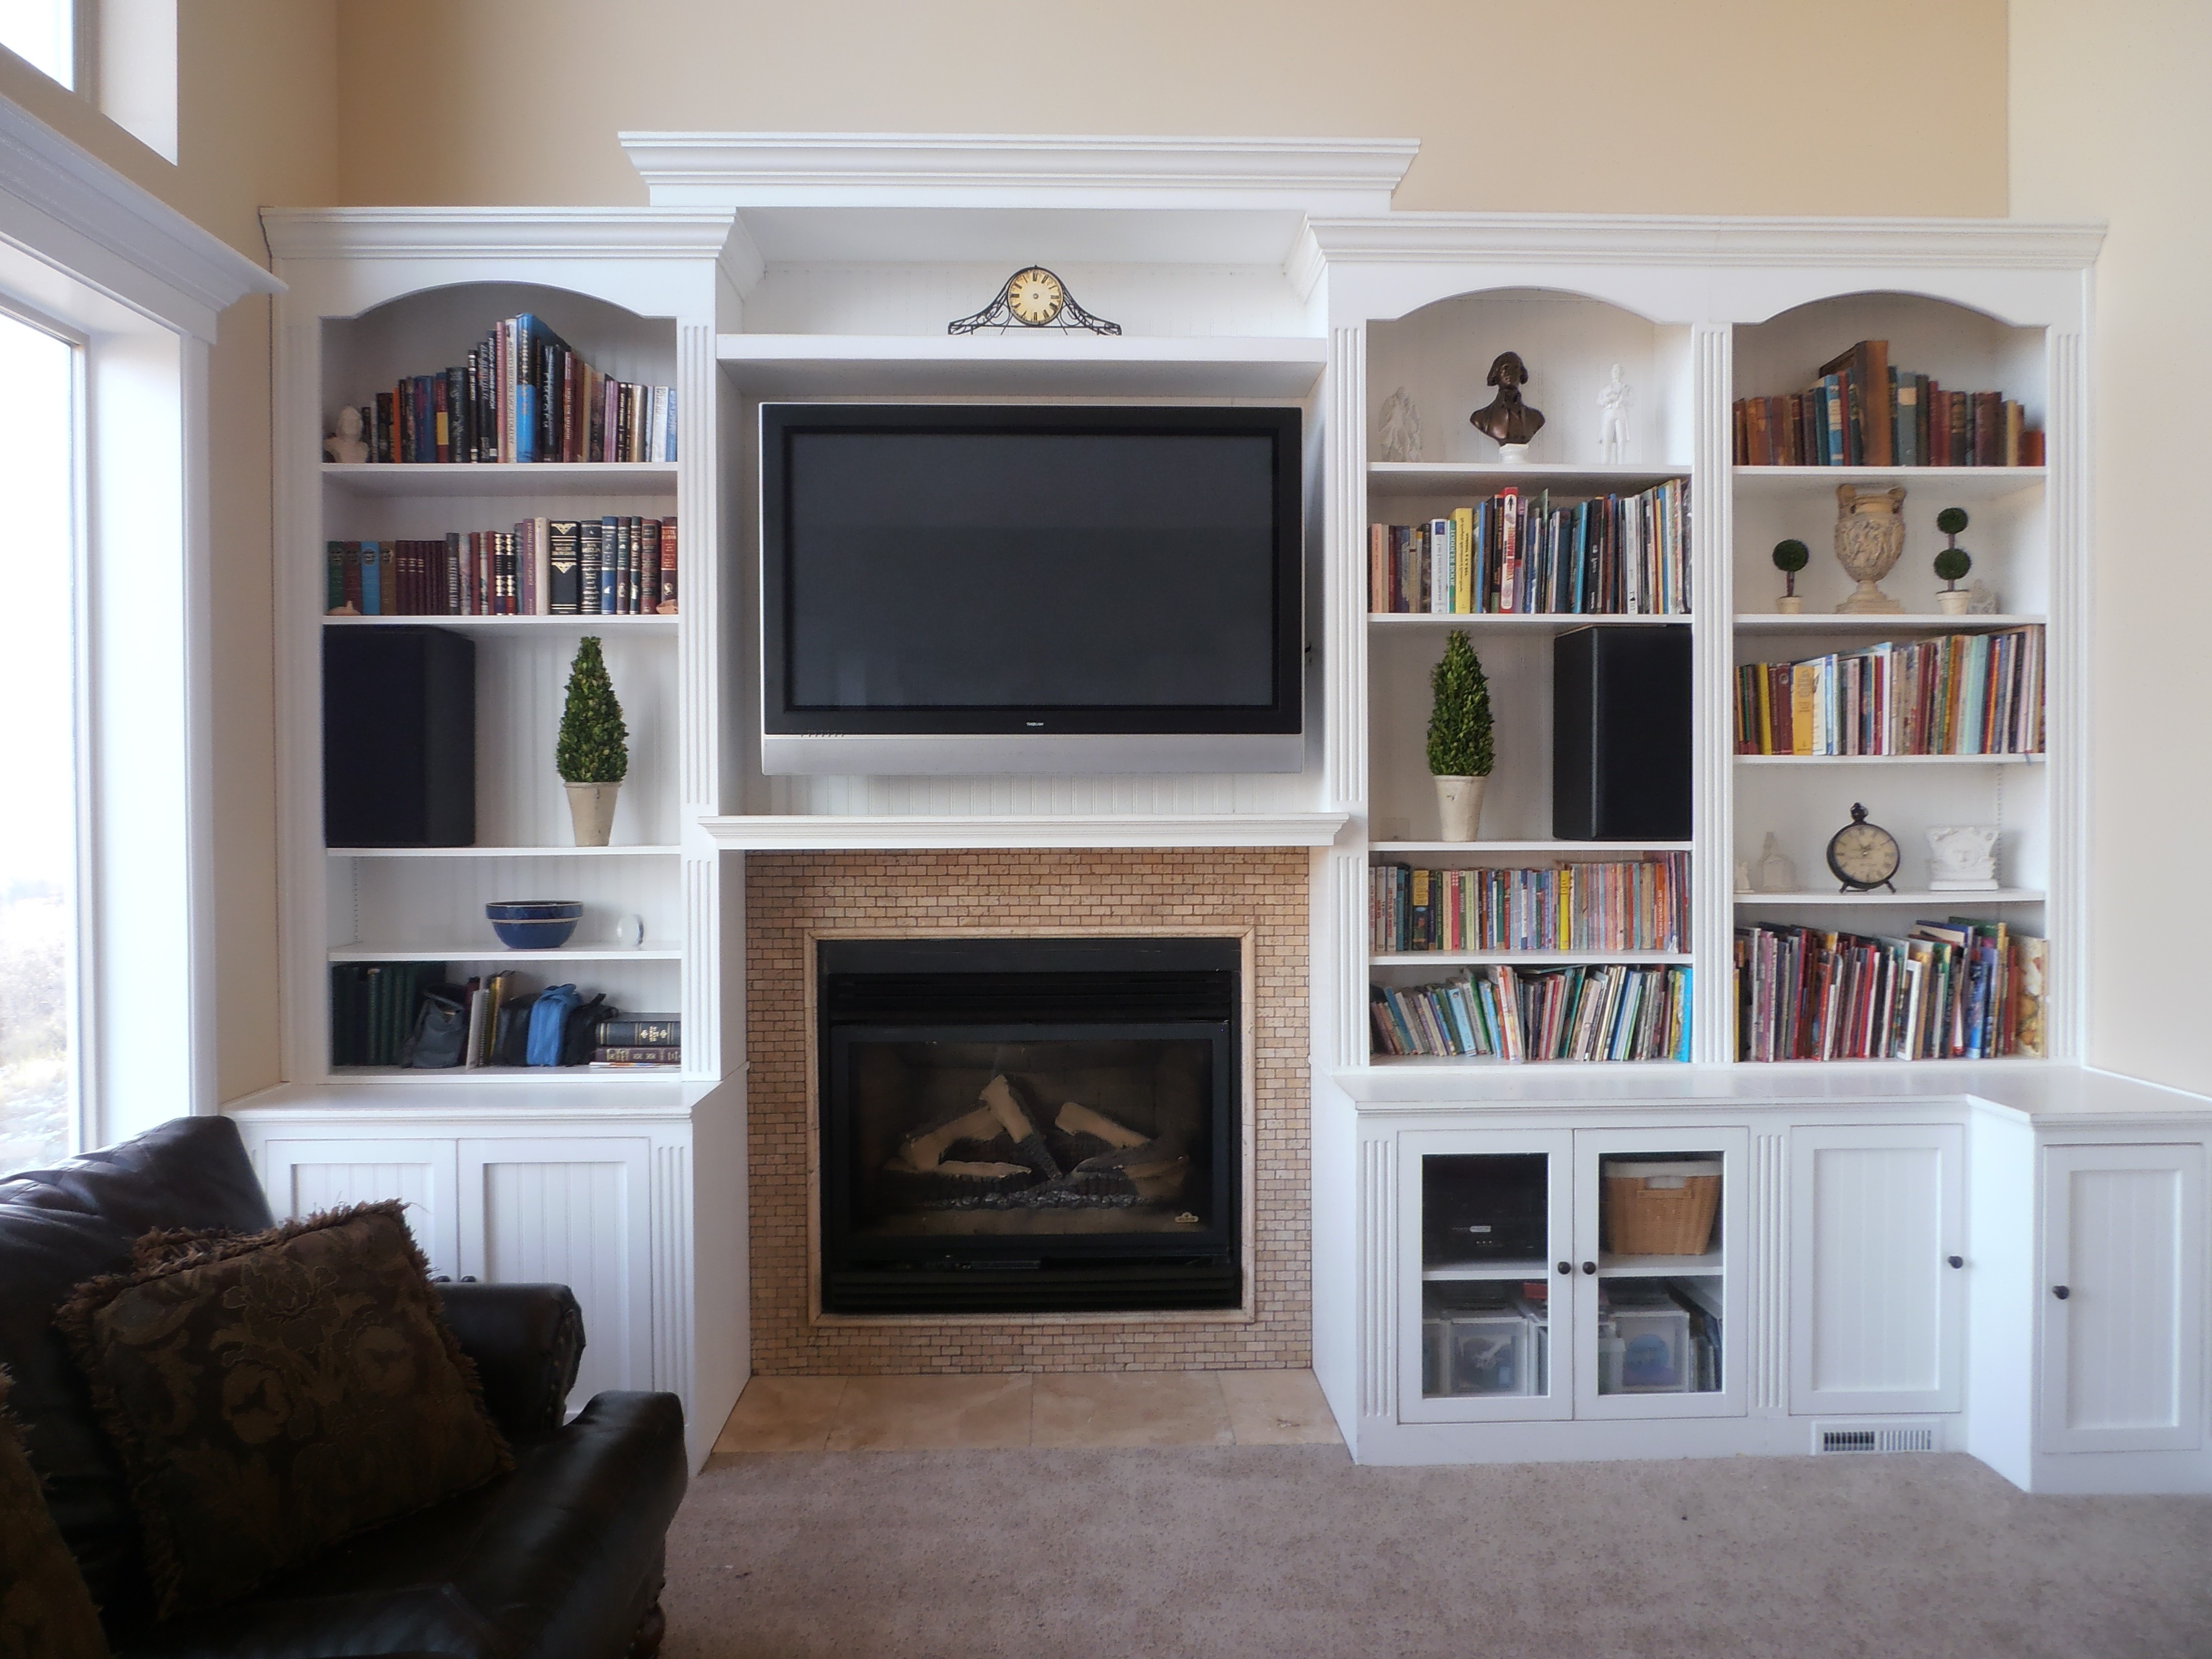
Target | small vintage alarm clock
(1863,856)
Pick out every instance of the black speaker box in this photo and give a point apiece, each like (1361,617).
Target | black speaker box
(1620,734)
(399,737)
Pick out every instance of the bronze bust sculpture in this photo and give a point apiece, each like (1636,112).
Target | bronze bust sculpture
(1505,417)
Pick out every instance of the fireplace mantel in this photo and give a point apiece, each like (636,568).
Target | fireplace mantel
(767,832)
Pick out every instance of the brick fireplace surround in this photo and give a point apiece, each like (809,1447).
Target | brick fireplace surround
(1224,891)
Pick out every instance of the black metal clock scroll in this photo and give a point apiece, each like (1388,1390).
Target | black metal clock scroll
(1033,298)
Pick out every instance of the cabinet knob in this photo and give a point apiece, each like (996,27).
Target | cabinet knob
(2060,1291)
(1956,1260)
(1589,1266)
(1566,1267)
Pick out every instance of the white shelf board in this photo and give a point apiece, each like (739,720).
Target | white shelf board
(1058,362)
(502,852)
(796,831)
(568,1076)
(1546,621)
(1972,483)
(1445,1064)
(473,950)
(655,623)
(1760,622)
(1888,760)
(502,478)
(1401,478)
(1580,852)
(1476,1272)
(1658,1267)
(1524,958)
(1920,896)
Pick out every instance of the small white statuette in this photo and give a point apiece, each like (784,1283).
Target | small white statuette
(1777,874)
(1981,598)
(1965,858)
(1401,427)
(346,444)
(1613,419)
(1743,875)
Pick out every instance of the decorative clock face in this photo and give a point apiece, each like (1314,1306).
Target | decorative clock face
(1862,855)
(1034,296)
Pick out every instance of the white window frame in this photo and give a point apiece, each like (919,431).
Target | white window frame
(140,286)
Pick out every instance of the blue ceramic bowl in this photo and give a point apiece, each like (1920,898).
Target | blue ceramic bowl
(534,924)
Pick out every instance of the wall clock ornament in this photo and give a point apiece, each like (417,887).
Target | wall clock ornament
(1032,297)
(1863,856)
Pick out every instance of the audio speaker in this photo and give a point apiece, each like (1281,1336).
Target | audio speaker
(399,737)
(1620,734)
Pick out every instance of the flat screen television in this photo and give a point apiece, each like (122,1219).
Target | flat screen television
(1030,588)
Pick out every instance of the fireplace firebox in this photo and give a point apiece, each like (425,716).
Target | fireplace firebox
(1029,1126)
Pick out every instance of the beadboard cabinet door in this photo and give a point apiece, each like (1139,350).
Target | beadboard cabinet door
(574,1212)
(1877,1305)
(2122,1297)
(304,1176)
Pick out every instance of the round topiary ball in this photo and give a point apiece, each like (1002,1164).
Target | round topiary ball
(1950,520)
(1954,563)
(1791,556)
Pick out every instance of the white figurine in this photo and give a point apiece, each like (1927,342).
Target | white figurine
(346,444)
(1777,874)
(1981,599)
(1613,419)
(1965,858)
(1401,427)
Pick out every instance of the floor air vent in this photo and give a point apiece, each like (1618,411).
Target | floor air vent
(1873,1437)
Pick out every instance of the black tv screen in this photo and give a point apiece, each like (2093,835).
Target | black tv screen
(1030,570)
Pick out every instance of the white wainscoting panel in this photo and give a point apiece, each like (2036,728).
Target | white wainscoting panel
(304,1177)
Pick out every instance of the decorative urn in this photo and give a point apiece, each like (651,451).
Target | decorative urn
(1869,540)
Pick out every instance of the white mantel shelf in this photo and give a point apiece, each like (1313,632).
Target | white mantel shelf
(807,833)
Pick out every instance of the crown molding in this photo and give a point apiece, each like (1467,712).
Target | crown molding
(769,832)
(416,232)
(69,209)
(1557,239)
(1017,170)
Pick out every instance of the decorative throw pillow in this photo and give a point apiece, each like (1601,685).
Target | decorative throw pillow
(273,1394)
(46,1612)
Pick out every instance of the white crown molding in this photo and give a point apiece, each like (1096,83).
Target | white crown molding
(474,232)
(67,208)
(1017,170)
(822,833)
(1555,238)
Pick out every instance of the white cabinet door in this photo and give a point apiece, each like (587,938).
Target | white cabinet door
(2122,1297)
(302,1176)
(570,1212)
(1877,1305)
(1485,1227)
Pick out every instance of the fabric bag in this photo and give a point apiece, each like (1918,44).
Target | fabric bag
(579,1032)
(511,1035)
(441,1028)
(549,1023)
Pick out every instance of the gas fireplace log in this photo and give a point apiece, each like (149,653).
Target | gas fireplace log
(972,1171)
(1000,1099)
(1156,1168)
(1075,1119)
(925,1151)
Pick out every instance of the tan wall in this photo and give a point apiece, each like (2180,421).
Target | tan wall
(1714,106)
(256,83)
(2110,121)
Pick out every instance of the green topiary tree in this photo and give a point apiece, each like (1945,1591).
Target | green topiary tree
(1460,744)
(594,746)
(1789,558)
(1954,561)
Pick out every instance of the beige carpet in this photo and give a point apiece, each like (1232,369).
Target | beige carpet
(1282,1551)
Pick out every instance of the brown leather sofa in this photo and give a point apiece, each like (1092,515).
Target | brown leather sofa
(559,1559)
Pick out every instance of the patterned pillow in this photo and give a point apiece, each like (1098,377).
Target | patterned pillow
(46,1612)
(273,1394)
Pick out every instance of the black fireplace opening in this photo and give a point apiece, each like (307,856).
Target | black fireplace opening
(1030,1126)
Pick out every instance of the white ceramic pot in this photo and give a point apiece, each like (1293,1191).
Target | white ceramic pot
(1953,601)
(591,811)
(1789,605)
(1459,806)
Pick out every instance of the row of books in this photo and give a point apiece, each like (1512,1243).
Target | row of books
(1865,413)
(1959,989)
(377,1007)
(1612,1011)
(1634,905)
(523,395)
(373,1005)
(614,566)
(1513,554)
(1956,694)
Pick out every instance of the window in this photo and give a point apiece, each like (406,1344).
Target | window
(43,33)
(120,54)
(38,928)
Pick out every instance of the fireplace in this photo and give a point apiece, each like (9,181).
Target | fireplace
(1029,1125)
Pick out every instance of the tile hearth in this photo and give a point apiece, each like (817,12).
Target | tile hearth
(939,1412)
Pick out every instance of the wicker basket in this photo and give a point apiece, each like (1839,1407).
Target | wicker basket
(1659,1209)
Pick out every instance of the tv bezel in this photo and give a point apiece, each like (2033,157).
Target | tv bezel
(1283,717)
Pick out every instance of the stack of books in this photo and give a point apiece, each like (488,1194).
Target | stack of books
(1864,413)
(1960,989)
(1636,904)
(627,1041)
(523,395)
(1958,694)
(1512,555)
(1613,1011)
(614,566)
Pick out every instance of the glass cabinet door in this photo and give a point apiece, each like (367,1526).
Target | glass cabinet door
(1658,1269)
(1485,1228)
